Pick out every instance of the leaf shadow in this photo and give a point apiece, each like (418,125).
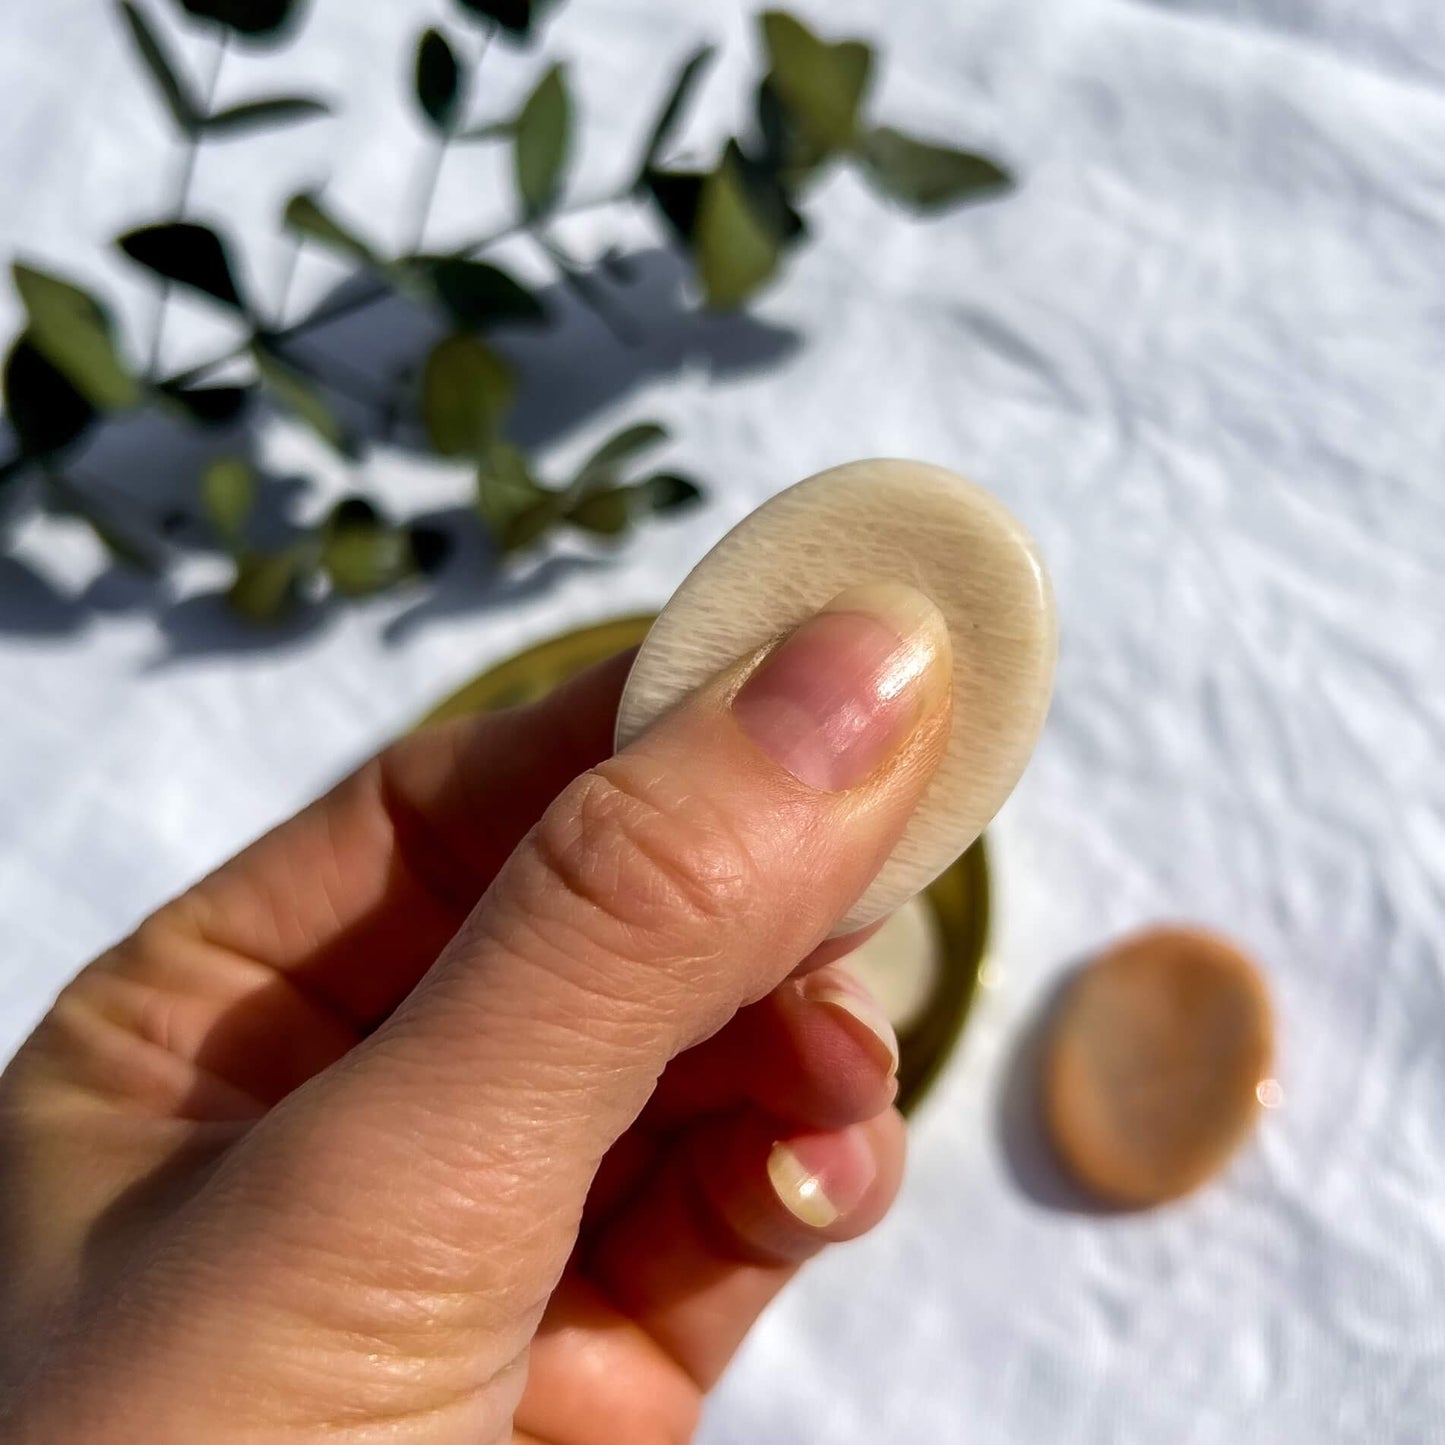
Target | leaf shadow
(145,466)
(32,606)
(475,579)
(1019,1121)
(202,625)
(570,368)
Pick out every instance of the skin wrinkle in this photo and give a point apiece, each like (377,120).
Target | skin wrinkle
(272,975)
(483,1206)
(326,1191)
(687,836)
(555,936)
(368,1421)
(161,1080)
(312,1325)
(634,1016)
(328,879)
(812,833)
(615,849)
(148,1002)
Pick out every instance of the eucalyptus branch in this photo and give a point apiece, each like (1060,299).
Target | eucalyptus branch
(376,288)
(190,157)
(734,222)
(431,172)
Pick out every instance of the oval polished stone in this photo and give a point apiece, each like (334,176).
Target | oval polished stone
(901,963)
(870,522)
(1154,1063)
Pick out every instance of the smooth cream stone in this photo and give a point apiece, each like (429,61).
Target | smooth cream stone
(900,964)
(879,521)
(1154,1064)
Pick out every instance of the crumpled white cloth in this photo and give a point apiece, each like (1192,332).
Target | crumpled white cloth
(1202,353)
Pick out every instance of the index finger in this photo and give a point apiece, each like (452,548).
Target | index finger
(352,899)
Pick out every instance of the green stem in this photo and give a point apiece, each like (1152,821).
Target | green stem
(182,200)
(431,172)
(431,175)
(364,296)
(377,289)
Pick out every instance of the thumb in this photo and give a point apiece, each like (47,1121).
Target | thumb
(661,891)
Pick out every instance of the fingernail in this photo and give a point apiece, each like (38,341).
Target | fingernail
(820,1177)
(843,692)
(865,1013)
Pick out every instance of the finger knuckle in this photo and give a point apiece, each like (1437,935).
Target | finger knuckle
(646,853)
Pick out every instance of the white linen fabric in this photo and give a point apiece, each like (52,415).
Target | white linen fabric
(1201,352)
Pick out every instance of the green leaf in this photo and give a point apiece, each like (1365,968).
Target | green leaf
(360,552)
(185,111)
(188,254)
(268,584)
(788,151)
(306,215)
(354,512)
(736,251)
(75,333)
(672,107)
(295,391)
(45,410)
(767,194)
(668,492)
(605,514)
(208,405)
(515,506)
(228,495)
(926,177)
(608,461)
(514,16)
(678,195)
(540,145)
(255,114)
(475,294)
(466,390)
(438,81)
(822,84)
(255,19)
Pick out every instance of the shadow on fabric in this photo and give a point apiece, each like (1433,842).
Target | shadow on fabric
(571,369)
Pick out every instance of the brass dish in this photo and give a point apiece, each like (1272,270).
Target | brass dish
(958,898)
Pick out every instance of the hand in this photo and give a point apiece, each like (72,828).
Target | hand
(487,1099)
